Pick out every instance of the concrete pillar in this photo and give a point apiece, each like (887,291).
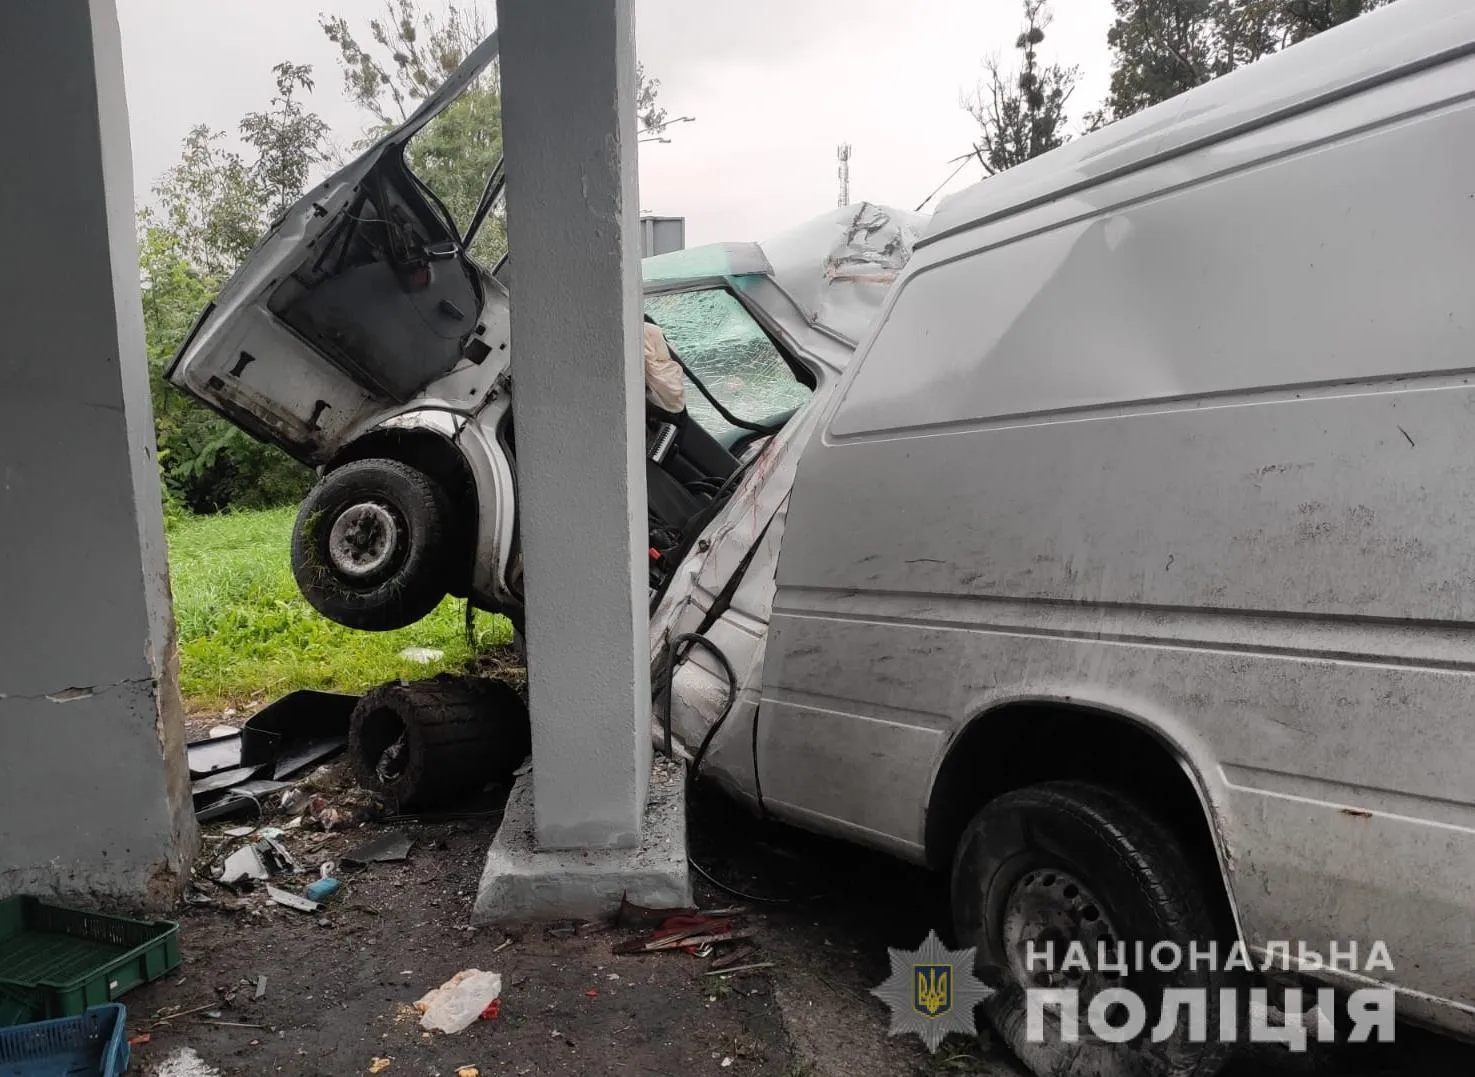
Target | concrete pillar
(568,128)
(94,785)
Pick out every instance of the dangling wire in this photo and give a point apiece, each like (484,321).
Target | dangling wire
(962,161)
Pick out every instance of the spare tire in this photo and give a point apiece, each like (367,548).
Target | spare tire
(370,546)
(431,743)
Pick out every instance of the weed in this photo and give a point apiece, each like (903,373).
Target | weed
(245,633)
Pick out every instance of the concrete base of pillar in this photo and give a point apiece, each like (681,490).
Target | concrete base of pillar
(524,884)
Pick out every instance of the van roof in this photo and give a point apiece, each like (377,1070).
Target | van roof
(1377,47)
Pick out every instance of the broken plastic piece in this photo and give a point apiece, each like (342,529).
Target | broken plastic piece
(379,1065)
(322,889)
(244,863)
(389,846)
(291,901)
(455,1004)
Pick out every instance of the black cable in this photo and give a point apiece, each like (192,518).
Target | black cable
(666,709)
(695,767)
(757,899)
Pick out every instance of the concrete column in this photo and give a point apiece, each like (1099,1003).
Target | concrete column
(568,123)
(94,785)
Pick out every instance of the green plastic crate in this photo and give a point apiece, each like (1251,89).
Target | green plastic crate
(56,962)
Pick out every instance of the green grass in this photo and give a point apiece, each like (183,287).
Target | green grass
(247,635)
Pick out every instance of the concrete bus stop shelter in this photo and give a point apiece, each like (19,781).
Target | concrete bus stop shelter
(94,784)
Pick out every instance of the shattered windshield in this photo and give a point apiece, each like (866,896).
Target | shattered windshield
(718,341)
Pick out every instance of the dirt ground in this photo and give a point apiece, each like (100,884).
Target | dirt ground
(339,985)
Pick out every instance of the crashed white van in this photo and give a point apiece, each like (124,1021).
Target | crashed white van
(1131,572)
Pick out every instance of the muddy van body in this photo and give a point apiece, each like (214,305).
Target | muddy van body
(1152,487)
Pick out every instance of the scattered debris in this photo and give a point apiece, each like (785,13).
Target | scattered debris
(458,1002)
(261,986)
(240,832)
(244,863)
(422,655)
(390,846)
(754,967)
(322,889)
(161,1018)
(291,901)
(235,767)
(632,915)
(141,1038)
(468,1071)
(685,932)
(238,799)
(260,860)
(733,957)
(390,765)
(185,1062)
(379,1065)
(223,779)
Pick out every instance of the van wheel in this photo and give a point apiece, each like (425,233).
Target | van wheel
(1041,868)
(370,547)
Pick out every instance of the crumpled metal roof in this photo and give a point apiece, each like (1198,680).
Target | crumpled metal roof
(839,266)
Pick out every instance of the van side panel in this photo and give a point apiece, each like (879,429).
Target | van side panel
(1198,446)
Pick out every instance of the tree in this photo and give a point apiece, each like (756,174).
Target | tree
(407,54)
(1021,112)
(211,204)
(1305,18)
(1161,48)
(288,140)
(210,210)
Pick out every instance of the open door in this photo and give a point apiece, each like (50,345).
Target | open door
(359,298)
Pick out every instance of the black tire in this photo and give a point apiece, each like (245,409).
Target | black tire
(381,497)
(459,734)
(1114,875)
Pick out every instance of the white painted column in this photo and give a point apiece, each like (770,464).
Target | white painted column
(568,121)
(94,785)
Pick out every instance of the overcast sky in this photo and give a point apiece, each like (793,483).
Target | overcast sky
(774,86)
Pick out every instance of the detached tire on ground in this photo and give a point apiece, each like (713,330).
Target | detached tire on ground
(370,548)
(432,743)
(1067,862)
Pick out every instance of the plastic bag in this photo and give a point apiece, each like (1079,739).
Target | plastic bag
(455,1004)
